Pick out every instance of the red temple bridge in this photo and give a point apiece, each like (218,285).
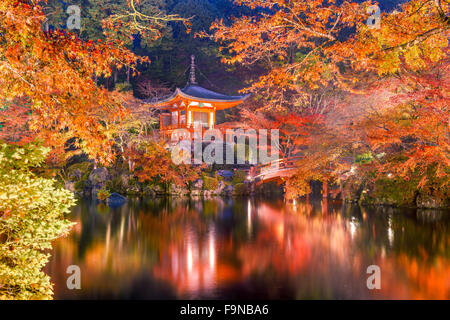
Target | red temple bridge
(278,169)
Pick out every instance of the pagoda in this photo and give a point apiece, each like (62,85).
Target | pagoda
(193,107)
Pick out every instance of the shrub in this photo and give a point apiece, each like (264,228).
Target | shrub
(395,191)
(103,194)
(123,87)
(240,189)
(84,167)
(239,176)
(32,215)
(210,183)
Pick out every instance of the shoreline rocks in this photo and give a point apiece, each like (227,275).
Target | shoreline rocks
(116,200)
(83,180)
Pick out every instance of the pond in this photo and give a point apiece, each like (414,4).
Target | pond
(252,248)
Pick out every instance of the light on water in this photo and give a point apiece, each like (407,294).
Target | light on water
(252,248)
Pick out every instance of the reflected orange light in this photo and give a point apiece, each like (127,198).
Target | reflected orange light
(280,231)
(212,251)
(189,260)
(285,243)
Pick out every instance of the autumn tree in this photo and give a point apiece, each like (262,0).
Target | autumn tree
(316,67)
(153,163)
(295,40)
(48,94)
(54,70)
(409,132)
(154,90)
(136,127)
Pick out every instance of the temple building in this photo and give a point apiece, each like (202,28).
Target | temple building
(193,107)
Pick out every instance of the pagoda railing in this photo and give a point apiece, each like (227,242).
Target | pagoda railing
(168,130)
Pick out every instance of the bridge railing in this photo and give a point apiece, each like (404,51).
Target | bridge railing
(274,166)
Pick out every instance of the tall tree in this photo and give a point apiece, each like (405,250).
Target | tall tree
(314,47)
(54,71)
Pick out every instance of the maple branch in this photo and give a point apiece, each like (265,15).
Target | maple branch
(442,14)
(7,65)
(337,21)
(309,30)
(420,38)
(420,8)
(307,55)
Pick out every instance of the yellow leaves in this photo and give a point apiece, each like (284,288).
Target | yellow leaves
(435,48)
(33,210)
(389,64)
(414,57)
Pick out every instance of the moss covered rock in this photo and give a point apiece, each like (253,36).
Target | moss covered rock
(241,189)
(77,171)
(352,189)
(395,192)
(432,200)
(239,176)
(210,183)
(178,190)
(97,180)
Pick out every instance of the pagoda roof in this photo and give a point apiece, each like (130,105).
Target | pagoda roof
(198,93)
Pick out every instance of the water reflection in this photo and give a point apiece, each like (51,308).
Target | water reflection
(252,248)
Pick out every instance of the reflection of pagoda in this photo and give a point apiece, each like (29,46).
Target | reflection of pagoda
(193,107)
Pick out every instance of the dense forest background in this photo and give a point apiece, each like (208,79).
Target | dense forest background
(170,54)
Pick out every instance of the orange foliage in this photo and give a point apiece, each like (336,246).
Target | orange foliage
(152,160)
(54,71)
(379,91)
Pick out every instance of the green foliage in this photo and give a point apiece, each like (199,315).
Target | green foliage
(403,192)
(83,168)
(79,185)
(364,158)
(210,183)
(116,184)
(397,191)
(239,176)
(390,191)
(31,217)
(123,87)
(240,189)
(122,181)
(95,12)
(103,194)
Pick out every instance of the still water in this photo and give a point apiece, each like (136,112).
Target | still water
(252,248)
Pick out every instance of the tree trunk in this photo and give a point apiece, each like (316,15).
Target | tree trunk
(325,206)
(325,189)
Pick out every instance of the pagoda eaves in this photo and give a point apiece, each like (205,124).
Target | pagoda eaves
(194,93)
(192,107)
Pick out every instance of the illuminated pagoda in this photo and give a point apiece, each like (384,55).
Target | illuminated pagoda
(193,107)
